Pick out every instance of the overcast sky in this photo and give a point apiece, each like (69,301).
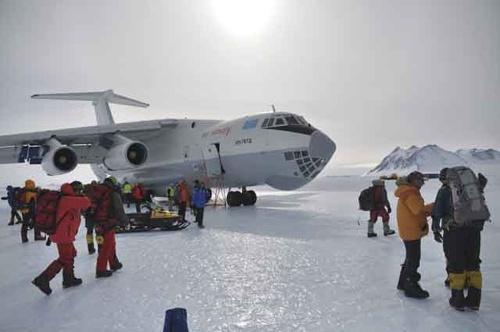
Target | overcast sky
(372,74)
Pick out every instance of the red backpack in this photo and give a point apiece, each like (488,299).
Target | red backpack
(46,211)
(102,201)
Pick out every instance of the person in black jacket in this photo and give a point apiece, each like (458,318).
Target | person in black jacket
(462,244)
(11,199)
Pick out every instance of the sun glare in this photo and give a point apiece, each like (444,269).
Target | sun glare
(244,17)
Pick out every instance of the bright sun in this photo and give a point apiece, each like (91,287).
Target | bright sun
(244,17)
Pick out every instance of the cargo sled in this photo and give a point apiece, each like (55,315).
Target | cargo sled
(154,219)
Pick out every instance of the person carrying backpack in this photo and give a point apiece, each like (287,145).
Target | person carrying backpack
(67,221)
(109,213)
(380,202)
(27,202)
(412,224)
(12,200)
(461,241)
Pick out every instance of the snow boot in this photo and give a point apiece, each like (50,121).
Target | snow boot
(457,300)
(42,282)
(447,282)
(401,281)
(412,289)
(387,229)
(11,223)
(103,274)
(473,298)
(69,279)
(115,266)
(371,233)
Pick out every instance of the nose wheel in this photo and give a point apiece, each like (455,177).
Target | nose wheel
(245,197)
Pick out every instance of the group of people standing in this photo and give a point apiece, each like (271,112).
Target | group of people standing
(461,243)
(183,197)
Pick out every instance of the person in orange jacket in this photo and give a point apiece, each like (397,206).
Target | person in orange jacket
(68,221)
(412,215)
(28,200)
(184,198)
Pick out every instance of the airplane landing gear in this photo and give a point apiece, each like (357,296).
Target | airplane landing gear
(245,197)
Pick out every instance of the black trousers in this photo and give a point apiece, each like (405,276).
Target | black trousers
(412,259)
(182,210)
(198,212)
(15,214)
(27,219)
(462,249)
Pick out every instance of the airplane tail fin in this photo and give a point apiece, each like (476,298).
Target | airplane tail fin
(100,100)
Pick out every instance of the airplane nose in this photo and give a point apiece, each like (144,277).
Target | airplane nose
(321,146)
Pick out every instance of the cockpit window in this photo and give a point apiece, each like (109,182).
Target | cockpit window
(280,122)
(264,124)
(271,122)
(292,120)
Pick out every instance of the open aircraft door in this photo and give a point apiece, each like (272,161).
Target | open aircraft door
(212,161)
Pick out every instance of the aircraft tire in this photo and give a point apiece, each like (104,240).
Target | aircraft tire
(234,198)
(249,198)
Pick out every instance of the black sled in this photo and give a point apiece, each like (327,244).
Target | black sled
(155,219)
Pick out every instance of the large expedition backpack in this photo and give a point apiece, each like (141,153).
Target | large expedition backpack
(469,206)
(102,202)
(366,199)
(46,211)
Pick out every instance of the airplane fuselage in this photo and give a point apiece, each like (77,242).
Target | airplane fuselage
(279,149)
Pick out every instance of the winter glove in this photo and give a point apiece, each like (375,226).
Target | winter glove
(48,242)
(436,227)
(438,237)
(389,210)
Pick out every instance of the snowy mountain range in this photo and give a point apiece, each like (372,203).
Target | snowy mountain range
(431,158)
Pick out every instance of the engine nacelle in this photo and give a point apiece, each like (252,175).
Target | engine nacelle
(126,155)
(59,159)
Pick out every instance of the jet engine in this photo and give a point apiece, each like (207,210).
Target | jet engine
(59,159)
(126,154)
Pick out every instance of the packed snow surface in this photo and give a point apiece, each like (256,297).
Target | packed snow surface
(297,261)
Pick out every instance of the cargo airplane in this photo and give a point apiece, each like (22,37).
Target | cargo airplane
(279,149)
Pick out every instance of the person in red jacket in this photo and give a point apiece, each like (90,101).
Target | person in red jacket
(68,220)
(109,213)
(138,195)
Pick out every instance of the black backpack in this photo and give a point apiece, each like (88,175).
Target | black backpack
(366,199)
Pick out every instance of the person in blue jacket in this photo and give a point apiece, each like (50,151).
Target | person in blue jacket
(198,201)
(13,205)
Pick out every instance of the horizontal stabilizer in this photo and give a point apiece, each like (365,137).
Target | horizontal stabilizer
(108,95)
(100,100)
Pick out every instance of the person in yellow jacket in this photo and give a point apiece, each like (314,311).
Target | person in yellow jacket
(412,215)
(127,193)
(27,199)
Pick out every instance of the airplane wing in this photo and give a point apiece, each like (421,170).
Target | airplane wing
(89,143)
